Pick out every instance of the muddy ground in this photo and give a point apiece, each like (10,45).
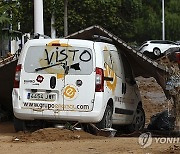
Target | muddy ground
(56,141)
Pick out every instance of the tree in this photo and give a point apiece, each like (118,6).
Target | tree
(7,10)
(131,20)
(25,16)
(172,20)
(4,18)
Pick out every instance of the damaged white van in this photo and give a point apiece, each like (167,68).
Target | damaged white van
(75,80)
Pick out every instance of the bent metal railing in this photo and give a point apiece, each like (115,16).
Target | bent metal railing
(9,57)
(7,72)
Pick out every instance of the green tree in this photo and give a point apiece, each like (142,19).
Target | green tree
(25,16)
(172,20)
(131,20)
(3,13)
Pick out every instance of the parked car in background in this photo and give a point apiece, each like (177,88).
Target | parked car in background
(156,48)
(178,42)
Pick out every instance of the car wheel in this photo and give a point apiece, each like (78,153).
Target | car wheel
(157,51)
(106,121)
(138,121)
(19,125)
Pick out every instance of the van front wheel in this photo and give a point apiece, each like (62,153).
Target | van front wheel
(106,121)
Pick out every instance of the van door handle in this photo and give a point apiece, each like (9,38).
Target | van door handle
(123,88)
(53,82)
(108,78)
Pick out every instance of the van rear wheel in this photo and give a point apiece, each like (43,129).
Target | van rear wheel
(106,121)
(19,125)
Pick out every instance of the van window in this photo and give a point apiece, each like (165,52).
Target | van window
(116,65)
(127,70)
(54,59)
(107,58)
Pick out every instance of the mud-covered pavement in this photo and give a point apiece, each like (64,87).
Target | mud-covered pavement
(56,141)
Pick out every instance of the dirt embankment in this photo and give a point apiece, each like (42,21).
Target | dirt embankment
(153,97)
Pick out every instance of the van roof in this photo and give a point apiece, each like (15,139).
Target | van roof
(37,42)
(46,41)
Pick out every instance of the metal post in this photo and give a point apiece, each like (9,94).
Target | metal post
(38,17)
(163,21)
(65,18)
(53,30)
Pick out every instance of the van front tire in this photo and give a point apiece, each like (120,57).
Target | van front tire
(106,121)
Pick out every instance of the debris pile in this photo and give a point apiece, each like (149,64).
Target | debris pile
(172,61)
(53,134)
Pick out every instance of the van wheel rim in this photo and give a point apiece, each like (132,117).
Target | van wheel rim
(109,119)
(139,120)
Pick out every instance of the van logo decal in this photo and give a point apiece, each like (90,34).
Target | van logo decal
(109,73)
(70,92)
(39,78)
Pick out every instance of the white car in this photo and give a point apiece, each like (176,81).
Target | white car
(156,48)
(75,80)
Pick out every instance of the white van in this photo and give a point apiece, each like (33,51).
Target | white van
(75,80)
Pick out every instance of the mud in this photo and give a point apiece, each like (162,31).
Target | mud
(55,140)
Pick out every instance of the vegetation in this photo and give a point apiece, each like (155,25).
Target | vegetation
(131,20)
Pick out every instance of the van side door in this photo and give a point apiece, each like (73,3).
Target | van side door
(130,97)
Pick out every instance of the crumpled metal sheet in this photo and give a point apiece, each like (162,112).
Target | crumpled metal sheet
(141,64)
(7,72)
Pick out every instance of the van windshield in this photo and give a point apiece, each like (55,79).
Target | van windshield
(55,59)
